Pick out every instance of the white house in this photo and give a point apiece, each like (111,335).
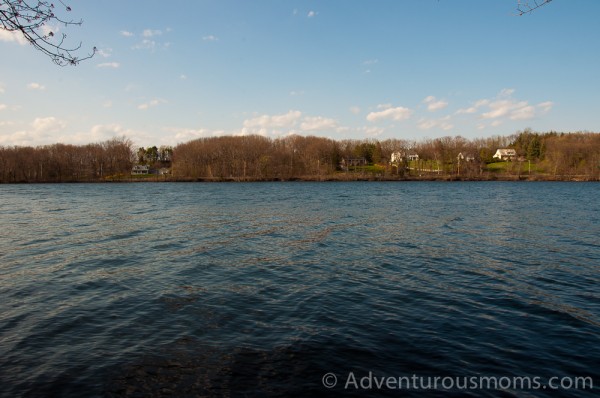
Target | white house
(468,157)
(396,157)
(505,154)
(399,157)
(139,169)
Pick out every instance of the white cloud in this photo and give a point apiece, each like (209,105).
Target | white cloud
(126,33)
(2,88)
(51,130)
(145,44)
(355,110)
(426,124)
(373,131)
(2,107)
(48,124)
(149,40)
(296,93)
(515,110)
(368,63)
(16,37)
(21,138)
(443,124)
(524,112)
(210,38)
(113,65)
(474,108)
(104,52)
(506,107)
(178,135)
(151,33)
(291,122)
(103,132)
(397,113)
(469,110)
(287,120)
(151,104)
(502,108)
(185,135)
(277,125)
(35,86)
(433,104)
(107,104)
(43,130)
(312,14)
(436,106)
(545,107)
(318,123)
(183,77)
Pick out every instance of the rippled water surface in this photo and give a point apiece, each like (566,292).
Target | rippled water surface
(261,289)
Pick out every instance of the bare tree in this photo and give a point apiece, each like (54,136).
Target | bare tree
(528,6)
(37,22)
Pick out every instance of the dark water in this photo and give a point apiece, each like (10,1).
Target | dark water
(262,289)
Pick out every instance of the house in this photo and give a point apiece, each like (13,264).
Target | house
(397,157)
(505,154)
(139,169)
(466,157)
(400,156)
(352,162)
(164,171)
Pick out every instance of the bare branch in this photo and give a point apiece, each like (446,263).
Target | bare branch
(34,20)
(528,6)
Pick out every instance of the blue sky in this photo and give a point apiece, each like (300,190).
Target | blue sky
(169,72)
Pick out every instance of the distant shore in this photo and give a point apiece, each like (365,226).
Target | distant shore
(525,156)
(330,178)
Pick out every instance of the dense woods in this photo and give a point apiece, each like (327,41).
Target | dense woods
(65,163)
(548,155)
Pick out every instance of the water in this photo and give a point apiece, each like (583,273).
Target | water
(261,289)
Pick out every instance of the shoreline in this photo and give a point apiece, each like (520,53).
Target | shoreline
(330,178)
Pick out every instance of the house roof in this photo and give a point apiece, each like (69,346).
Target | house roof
(506,152)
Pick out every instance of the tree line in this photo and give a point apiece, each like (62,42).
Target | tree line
(66,163)
(553,155)
(549,155)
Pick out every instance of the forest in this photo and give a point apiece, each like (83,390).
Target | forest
(539,156)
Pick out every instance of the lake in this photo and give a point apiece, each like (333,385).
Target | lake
(299,289)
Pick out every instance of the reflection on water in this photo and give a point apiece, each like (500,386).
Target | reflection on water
(260,289)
